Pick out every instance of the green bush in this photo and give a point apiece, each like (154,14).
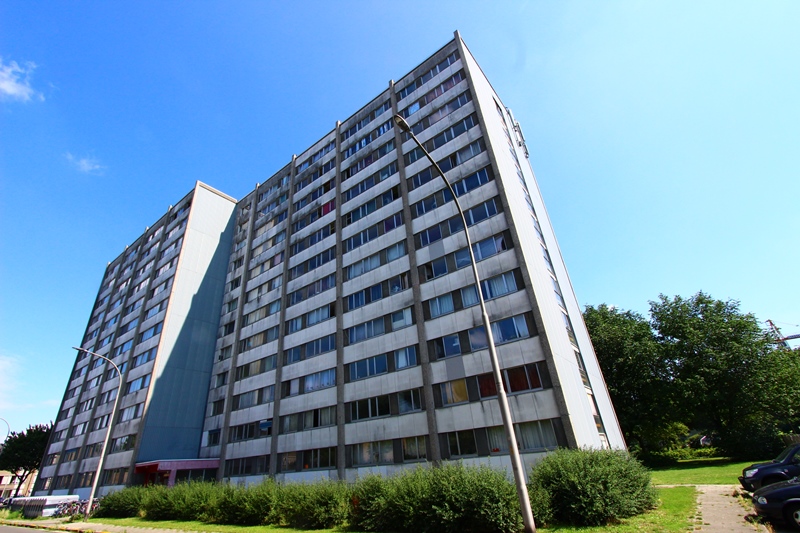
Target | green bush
(671,457)
(451,498)
(243,506)
(184,501)
(319,505)
(593,487)
(541,507)
(370,509)
(125,503)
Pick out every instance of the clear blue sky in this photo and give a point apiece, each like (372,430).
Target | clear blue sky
(664,136)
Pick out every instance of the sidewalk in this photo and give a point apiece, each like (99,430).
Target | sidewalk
(720,511)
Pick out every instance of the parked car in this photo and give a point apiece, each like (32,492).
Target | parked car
(782,468)
(779,502)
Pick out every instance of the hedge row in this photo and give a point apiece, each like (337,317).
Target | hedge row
(581,487)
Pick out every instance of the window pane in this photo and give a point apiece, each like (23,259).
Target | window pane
(469,296)
(497,439)
(517,379)
(487,386)
(477,338)
(452,345)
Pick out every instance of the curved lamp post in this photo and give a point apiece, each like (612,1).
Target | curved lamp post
(508,425)
(96,479)
(8,431)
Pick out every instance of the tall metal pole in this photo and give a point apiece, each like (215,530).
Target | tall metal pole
(96,479)
(508,425)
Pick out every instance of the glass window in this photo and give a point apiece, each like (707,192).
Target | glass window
(454,392)
(401,319)
(441,305)
(405,357)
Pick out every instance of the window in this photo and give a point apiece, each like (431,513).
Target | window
(85,405)
(153,311)
(122,444)
(505,330)
(218,407)
(372,453)
(229,328)
(366,330)
(405,357)
(71,455)
(84,479)
(132,412)
(462,443)
(137,384)
(124,347)
(536,435)
(319,458)
(414,449)
(249,431)
(214,437)
(100,422)
(108,396)
(435,268)
(447,346)
(247,466)
(454,392)
(144,357)
(115,476)
(369,408)
(151,332)
(92,450)
(402,319)
(368,367)
(221,379)
(79,429)
(253,397)
(441,305)
(320,380)
(409,401)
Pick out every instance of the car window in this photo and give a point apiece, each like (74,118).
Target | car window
(784,455)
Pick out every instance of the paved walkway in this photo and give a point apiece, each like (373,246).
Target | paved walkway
(719,510)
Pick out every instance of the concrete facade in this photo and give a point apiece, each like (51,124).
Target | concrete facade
(346,335)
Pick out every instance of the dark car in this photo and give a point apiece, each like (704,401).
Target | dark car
(779,502)
(782,468)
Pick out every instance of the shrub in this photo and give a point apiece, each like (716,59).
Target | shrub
(125,503)
(370,508)
(451,498)
(540,505)
(321,505)
(593,487)
(244,506)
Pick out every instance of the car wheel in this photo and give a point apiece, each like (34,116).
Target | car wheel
(792,515)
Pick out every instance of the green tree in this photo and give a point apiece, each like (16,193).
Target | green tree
(636,376)
(715,354)
(700,363)
(22,452)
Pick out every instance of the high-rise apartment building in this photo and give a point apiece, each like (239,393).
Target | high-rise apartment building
(346,333)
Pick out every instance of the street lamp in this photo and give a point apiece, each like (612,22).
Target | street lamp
(108,431)
(8,431)
(508,425)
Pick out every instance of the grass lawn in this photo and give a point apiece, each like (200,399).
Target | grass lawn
(675,513)
(713,471)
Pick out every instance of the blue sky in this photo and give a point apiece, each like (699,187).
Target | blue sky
(664,136)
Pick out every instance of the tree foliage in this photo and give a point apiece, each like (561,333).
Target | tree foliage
(701,364)
(22,452)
